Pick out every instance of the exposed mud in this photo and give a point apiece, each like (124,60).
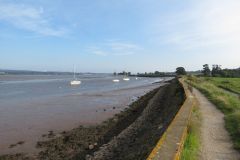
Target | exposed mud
(137,141)
(131,134)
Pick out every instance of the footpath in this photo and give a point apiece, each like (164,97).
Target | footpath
(215,141)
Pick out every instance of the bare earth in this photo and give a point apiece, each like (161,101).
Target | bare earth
(216,143)
(27,120)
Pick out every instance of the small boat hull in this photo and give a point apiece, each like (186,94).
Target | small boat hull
(116,80)
(126,79)
(75,82)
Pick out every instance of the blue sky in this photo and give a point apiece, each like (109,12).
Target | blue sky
(110,35)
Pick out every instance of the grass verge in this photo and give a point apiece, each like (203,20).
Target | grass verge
(192,142)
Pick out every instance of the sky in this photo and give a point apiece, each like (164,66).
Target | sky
(109,35)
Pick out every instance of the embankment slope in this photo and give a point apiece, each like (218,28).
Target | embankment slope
(137,141)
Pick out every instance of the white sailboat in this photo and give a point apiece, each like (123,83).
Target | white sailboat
(75,82)
(115,80)
(125,78)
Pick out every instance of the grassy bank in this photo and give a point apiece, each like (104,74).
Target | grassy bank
(230,84)
(228,103)
(192,142)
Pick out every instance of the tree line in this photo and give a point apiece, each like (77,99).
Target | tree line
(217,71)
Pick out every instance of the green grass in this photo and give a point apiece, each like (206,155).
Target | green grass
(233,126)
(231,84)
(228,103)
(192,142)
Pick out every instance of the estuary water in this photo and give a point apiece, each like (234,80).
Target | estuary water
(31,106)
(30,87)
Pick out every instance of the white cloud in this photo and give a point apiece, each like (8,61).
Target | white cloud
(28,18)
(204,24)
(114,48)
(205,31)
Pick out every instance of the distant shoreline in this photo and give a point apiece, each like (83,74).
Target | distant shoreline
(28,72)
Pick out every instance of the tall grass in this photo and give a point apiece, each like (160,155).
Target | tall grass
(233,126)
(225,101)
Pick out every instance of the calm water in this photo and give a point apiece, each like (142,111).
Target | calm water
(30,87)
(33,105)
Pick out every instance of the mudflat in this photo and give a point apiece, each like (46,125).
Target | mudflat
(33,107)
(141,124)
(27,123)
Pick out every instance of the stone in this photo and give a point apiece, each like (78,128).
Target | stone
(90,146)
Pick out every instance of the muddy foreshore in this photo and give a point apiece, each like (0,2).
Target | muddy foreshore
(131,134)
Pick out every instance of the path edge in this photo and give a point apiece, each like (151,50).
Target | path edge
(179,142)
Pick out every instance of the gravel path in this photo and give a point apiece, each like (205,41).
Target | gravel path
(216,143)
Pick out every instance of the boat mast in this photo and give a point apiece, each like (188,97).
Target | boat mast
(74,72)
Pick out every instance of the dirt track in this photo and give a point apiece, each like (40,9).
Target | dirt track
(216,143)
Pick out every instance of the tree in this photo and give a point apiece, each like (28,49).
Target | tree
(180,71)
(206,71)
(216,70)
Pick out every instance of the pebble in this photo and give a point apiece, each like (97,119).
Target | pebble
(91,146)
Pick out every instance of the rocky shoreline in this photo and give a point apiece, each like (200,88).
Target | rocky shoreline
(130,134)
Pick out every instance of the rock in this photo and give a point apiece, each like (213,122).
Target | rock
(160,126)
(44,135)
(51,134)
(90,146)
(21,142)
(88,157)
